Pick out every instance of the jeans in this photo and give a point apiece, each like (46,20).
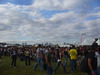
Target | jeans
(66,59)
(73,65)
(14,60)
(39,60)
(27,58)
(96,72)
(58,64)
(49,70)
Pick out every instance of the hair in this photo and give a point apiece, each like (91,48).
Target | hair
(94,46)
(73,46)
(39,45)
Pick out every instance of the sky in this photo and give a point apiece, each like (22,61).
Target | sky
(49,20)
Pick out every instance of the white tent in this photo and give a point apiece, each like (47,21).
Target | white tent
(64,45)
(98,42)
(86,42)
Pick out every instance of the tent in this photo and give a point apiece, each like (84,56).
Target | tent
(98,42)
(64,45)
(86,42)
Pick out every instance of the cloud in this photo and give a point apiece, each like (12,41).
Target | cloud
(60,4)
(19,22)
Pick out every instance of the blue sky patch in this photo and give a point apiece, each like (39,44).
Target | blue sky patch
(17,2)
(92,18)
(48,14)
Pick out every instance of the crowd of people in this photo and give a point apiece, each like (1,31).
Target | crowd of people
(46,55)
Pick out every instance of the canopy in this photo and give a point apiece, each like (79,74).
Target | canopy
(64,45)
(86,42)
(98,42)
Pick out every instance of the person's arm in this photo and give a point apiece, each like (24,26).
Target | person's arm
(11,54)
(60,55)
(47,60)
(16,52)
(90,66)
(69,53)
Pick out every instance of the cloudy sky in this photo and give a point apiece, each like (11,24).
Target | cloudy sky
(49,20)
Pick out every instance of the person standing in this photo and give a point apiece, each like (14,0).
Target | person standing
(56,53)
(48,57)
(73,59)
(60,62)
(27,56)
(92,60)
(14,56)
(39,58)
(66,55)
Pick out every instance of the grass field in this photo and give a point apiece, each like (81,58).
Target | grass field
(21,69)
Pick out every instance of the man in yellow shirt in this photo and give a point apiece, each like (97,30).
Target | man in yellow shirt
(73,57)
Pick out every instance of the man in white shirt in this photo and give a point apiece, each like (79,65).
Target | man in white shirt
(39,58)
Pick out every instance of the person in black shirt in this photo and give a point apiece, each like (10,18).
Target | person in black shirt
(48,57)
(66,55)
(92,60)
(57,53)
(60,62)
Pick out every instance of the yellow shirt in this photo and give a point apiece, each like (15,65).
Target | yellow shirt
(73,53)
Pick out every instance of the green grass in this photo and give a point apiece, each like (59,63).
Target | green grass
(21,69)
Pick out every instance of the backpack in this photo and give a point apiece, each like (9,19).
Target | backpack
(84,65)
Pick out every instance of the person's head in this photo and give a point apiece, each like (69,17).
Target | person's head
(27,48)
(60,49)
(51,50)
(73,46)
(94,46)
(46,47)
(39,45)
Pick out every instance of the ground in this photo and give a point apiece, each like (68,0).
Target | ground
(21,69)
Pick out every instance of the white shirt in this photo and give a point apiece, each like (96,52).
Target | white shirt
(38,50)
(46,51)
